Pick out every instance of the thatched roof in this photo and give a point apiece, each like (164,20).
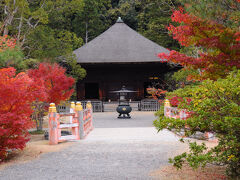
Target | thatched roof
(119,44)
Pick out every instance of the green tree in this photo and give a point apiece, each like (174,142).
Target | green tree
(72,67)
(153,18)
(92,20)
(47,43)
(56,37)
(15,58)
(127,10)
(31,21)
(149,17)
(225,12)
(12,57)
(216,107)
(18,18)
(62,13)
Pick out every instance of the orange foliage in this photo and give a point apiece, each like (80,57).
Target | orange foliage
(7,42)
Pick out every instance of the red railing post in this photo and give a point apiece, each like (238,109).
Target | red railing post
(79,110)
(53,124)
(167,106)
(80,123)
(90,114)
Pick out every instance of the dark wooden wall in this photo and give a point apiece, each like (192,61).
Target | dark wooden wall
(111,77)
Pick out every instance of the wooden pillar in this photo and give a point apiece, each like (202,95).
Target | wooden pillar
(100,90)
(140,90)
(104,89)
(80,91)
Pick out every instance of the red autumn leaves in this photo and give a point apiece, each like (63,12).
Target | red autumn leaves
(16,94)
(221,46)
(56,85)
(48,83)
(7,42)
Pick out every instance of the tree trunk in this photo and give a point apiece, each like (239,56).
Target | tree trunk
(19,28)
(7,23)
(9,18)
(40,122)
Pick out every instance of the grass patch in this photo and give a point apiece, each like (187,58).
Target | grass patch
(36,132)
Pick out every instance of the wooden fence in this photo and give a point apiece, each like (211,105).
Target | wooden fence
(80,123)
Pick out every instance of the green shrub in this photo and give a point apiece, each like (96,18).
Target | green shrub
(216,107)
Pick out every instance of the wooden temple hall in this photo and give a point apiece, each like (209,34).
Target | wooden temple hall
(119,56)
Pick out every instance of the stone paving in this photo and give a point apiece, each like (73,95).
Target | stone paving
(115,149)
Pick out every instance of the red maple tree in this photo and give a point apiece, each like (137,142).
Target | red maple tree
(17,92)
(57,87)
(220,46)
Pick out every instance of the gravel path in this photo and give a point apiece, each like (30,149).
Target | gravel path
(116,149)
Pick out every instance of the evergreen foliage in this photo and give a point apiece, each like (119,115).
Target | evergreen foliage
(216,109)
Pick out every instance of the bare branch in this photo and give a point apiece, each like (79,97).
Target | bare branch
(5,9)
(36,24)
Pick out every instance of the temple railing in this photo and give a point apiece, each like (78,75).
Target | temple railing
(183,114)
(100,106)
(97,106)
(148,105)
(174,112)
(79,123)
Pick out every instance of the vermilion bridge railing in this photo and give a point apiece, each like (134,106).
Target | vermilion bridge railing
(183,114)
(80,123)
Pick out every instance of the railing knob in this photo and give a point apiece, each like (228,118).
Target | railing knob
(79,106)
(167,103)
(72,105)
(52,108)
(89,105)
